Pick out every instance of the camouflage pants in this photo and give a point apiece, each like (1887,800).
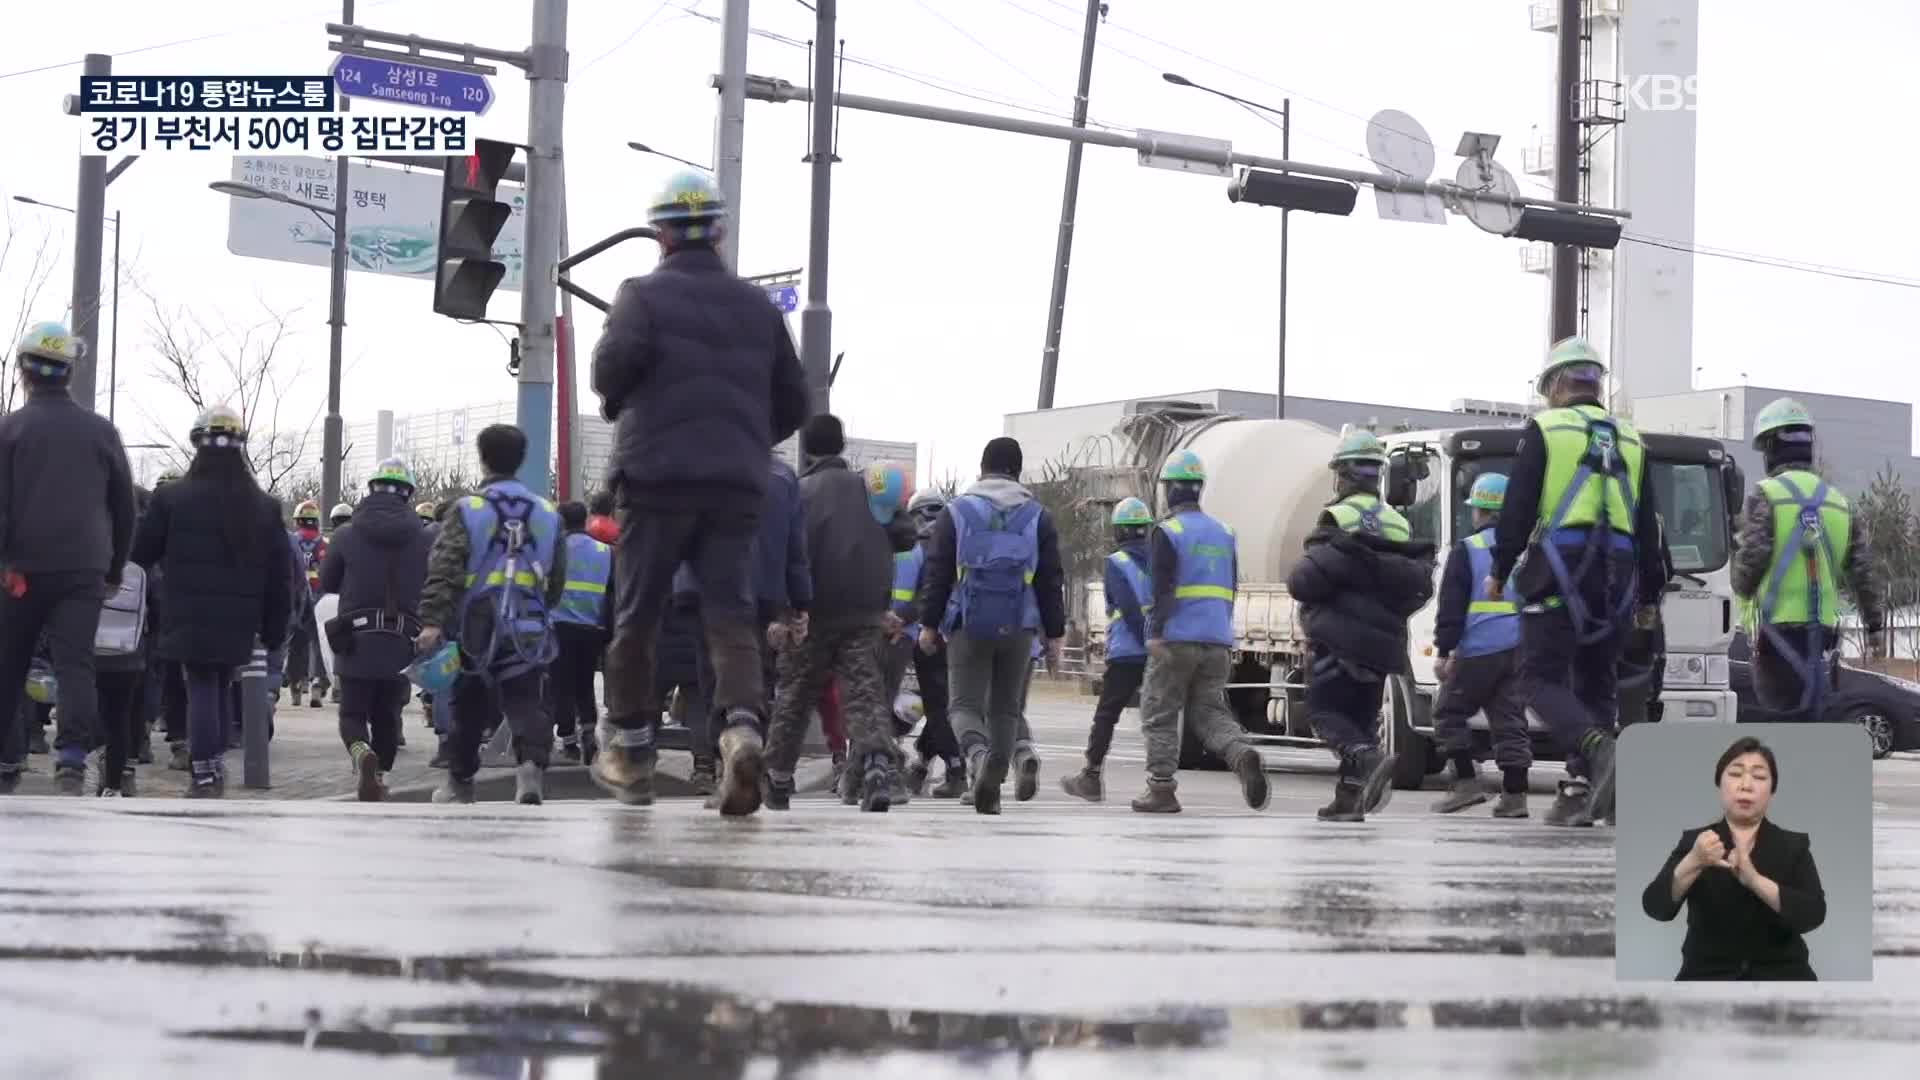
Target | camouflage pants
(1190,679)
(851,654)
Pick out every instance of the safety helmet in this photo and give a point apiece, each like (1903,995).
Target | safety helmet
(392,475)
(926,501)
(1489,492)
(1570,353)
(886,490)
(219,426)
(1780,415)
(689,204)
(307,511)
(1358,447)
(1131,511)
(341,512)
(425,510)
(1183,466)
(49,349)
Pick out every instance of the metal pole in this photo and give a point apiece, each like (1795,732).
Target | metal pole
(113,365)
(1567,159)
(1069,199)
(90,210)
(256,723)
(546,111)
(816,318)
(331,431)
(1286,149)
(730,136)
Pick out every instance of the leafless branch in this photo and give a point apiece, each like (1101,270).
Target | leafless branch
(39,268)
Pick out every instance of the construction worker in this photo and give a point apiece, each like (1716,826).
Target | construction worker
(1476,639)
(1799,547)
(1362,575)
(583,622)
(936,738)
(341,515)
(1194,566)
(1578,484)
(1129,594)
(306,662)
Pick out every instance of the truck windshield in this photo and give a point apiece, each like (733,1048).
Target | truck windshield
(1688,495)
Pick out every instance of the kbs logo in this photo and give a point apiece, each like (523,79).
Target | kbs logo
(1662,93)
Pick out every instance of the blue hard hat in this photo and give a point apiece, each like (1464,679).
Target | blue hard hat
(886,491)
(689,197)
(1489,492)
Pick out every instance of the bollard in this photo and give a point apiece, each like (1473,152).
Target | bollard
(256,721)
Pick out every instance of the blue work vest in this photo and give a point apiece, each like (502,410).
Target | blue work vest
(1203,583)
(1121,643)
(1493,626)
(906,582)
(583,599)
(486,542)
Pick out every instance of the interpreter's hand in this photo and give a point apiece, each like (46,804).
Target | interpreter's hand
(929,640)
(1157,648)
(1443,668)
(1741,863)
(1709,850)
(1491,588)
(428,641)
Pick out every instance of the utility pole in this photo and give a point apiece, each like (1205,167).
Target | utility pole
(729,146)
(1286,150)
(1567,159)
(816,318)
(1069,200)
(90,212)
(332,428)
(546,91)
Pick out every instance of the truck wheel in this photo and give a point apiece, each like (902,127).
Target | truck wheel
(1411,749)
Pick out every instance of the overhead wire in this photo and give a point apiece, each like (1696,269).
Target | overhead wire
(988,49)
(1777,263)
(625,41)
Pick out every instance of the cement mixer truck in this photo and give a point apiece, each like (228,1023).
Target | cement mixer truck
(1269,480)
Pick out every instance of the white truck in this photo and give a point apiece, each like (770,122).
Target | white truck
(1268,479)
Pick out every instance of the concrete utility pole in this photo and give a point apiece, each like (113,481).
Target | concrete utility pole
(729,143)
(332,429)
(546,108)
(1069,200)
(1567,159)
(90,212)
(816,318)
(1286,150)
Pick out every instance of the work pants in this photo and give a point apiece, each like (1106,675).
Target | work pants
(121,716)
(850,656)
(476,704)
(571,683)
(370,713)
(66,607)
(1191,679)
(1118,684)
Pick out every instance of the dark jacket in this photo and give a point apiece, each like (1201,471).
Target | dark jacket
(1356,592)
(1164,566)
(850,555)
(1731,933)
(1522,512)
(783,580)
(378,563)
(66,493)
(214,601)
(1049,578)
(1457,590)
(697,370)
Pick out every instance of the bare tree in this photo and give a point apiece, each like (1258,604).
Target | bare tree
(1886,512)
(32,254)
(241,367)
(432,482)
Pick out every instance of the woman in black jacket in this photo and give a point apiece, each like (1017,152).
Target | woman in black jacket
(223,588)
(1749,886)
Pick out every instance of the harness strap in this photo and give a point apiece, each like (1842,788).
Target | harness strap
(1811,667)
(1589,629)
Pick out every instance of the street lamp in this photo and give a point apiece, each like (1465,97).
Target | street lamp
(645,149)
(336,319)
(1285,112)
(113,364)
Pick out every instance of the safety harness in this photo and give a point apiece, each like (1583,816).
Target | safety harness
(521,638)
(1601,463)
(1808,541)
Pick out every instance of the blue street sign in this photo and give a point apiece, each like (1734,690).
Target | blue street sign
(412,84)
(785,297)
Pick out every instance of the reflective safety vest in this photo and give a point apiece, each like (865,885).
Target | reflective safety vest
(486,538)
(1493,626)
(1812,526)
(1594,460)
(1121,642)
(1203,581)
(906,582)
(583,600)
(1361,512)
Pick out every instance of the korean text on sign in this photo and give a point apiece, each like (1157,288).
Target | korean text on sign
(206,94)
(140,133)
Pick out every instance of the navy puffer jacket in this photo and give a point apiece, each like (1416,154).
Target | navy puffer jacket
(1356,592)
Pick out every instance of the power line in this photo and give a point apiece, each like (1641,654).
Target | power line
(988,49)
(625,41)
(1842,273)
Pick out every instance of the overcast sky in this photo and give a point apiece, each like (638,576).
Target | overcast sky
(943,236)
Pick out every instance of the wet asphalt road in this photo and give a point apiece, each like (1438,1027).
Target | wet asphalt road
(163,938)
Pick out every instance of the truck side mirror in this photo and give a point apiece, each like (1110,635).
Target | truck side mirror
(1404,472)
(1734,483)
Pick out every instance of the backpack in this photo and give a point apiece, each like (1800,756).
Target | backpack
(997,552)
(123,616)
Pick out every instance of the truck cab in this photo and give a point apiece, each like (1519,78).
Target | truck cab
(1696,486)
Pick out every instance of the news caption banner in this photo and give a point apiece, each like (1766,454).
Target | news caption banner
(265,114)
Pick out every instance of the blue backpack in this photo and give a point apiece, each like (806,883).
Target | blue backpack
(995,556)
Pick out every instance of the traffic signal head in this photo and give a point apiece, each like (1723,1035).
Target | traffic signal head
(471,217)
(1264,187)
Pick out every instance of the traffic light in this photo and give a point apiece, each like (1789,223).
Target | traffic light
(1263,187)
(471,217)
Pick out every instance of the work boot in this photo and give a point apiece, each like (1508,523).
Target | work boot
(1085,784)
(1599,751)
(570,750)
(917,774)
(876,784)
(953,783)
(9,781)
(1569,807)
(1462,792)
(1158,798)
(1375,772)
(1348,802)
(454,791)
(626,771)
(110,793)
(897,792)
(205,787)
(1026,773)
(778,793)
(366,765)
(439,759)
(314,692)
(70,778)
(529,784)
(177,759)
(37,740)
(128,787)
(705,776)
(589,747)
(837,780)
(1252,771)
(1510,804)
(743,767)
(988,771)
